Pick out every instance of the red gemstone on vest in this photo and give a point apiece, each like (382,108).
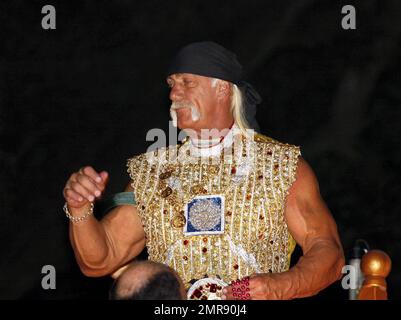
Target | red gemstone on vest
(197,293)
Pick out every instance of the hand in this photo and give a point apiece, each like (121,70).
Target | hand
(261,287)
(84,186)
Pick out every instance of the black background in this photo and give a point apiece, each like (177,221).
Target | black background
(87,93)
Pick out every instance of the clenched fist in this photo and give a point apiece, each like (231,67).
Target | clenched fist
(84,186)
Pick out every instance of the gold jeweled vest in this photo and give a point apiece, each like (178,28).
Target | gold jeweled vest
(254,188)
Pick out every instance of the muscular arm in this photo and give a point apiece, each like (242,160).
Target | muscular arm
(101,247)
(313,228)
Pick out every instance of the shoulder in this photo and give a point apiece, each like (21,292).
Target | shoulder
(274,145)
(285,158)
(135,164)
(260,138)
(306,181)
(305,186)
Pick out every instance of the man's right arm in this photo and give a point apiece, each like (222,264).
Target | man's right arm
(101,247)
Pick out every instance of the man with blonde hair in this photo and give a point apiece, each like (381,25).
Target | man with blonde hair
(224,208)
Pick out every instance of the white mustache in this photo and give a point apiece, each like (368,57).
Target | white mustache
(181,105)
(195,115)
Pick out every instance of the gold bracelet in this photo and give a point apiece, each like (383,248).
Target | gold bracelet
(77,219)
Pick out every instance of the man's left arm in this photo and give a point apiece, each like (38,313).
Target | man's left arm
(314,229)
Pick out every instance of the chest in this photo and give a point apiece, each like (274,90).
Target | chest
(186,200)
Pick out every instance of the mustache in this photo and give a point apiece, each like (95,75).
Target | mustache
(195,115)
(181,105)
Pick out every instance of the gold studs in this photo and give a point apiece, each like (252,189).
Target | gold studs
(165,175)
(178,221)
(166,192)
(198,189)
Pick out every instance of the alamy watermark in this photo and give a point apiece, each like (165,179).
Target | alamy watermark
(49,20)
(49,280)
(349,20)
(351,278)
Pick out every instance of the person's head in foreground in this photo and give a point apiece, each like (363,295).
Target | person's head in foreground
(147,280)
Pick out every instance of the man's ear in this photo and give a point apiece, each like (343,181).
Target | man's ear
(223,89)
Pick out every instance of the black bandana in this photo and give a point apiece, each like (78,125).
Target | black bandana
(210,59)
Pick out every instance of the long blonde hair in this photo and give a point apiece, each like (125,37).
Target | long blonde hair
(237,107)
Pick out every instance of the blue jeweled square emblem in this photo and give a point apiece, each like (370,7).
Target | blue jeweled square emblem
(204,215)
